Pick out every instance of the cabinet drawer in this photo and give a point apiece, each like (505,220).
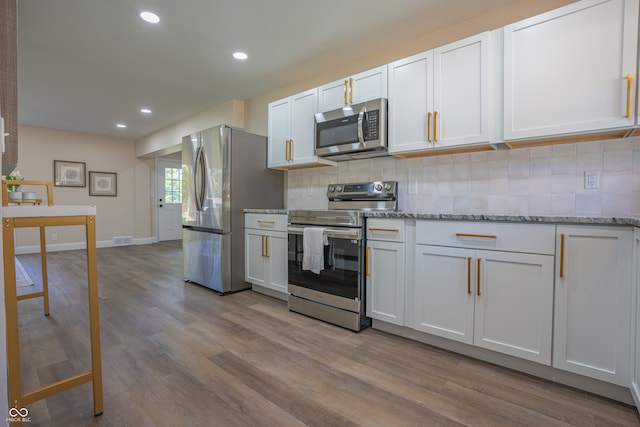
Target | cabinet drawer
(513,237)
(391,230)
(275,222)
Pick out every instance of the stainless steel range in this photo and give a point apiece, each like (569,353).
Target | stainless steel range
(336,292)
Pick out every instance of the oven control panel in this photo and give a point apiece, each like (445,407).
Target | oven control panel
(363,190)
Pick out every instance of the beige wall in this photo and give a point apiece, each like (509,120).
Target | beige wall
(116,216)
(168,140)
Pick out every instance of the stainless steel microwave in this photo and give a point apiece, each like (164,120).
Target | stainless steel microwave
(352,132)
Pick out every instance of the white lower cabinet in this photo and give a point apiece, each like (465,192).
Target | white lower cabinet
(592,318)
(489,298)
(385,275)
(635,377)
(266,246)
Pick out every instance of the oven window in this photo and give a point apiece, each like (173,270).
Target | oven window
(341,273)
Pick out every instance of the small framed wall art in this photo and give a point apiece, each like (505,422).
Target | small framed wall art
(103,183)
(69,174)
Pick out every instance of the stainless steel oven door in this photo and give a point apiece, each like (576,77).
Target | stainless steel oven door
(343,267)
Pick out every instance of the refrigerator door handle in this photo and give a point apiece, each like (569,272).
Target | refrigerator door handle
(199,178)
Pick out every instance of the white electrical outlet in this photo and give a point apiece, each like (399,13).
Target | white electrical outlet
(413,187)
(54,237)
(592,179)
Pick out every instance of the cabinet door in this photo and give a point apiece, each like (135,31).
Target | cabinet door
(254,264)
(358,88)
(592,314)
(514,304)
(385,281)
(277,262)
(566,70)
(461,92)
(303,110)
(279,117)
(635,377)
(444,298)
(369,85)
(410,100)
(334,95)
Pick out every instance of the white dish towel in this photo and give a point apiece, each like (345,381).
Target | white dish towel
(314,239)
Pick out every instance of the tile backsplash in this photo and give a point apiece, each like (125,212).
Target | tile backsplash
(547,180)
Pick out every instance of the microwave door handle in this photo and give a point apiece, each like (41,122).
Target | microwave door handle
(361,122)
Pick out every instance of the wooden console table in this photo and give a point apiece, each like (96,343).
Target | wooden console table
(44,216)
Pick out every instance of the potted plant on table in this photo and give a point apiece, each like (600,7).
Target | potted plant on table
(14,189)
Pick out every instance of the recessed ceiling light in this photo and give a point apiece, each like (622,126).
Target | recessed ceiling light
(121,125)
(150,17)
(145,111)
(240,55)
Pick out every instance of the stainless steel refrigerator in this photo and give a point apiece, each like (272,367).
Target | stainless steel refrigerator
(224,170)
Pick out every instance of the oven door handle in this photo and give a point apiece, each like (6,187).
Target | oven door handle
(330,232)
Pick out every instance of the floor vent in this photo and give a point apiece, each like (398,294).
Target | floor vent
(122,240)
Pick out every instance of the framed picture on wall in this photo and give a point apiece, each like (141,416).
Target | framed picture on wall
(103,183)
(69,174)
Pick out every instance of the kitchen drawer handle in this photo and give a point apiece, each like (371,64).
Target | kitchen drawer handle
(479,260)
(435,127)
(368,273)
(429,126)
(561,255)
(345,92)
(264,221)
(629,78)
(387,230)
(469,275)
(265,246)
(262,242)
(479,236)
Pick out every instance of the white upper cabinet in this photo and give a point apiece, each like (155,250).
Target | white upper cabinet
(291,132)
(442,98)
(355,89)
(570,70)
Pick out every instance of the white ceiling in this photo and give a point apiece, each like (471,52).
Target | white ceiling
(85,65)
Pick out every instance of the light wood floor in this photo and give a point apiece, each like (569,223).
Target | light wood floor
(177,354)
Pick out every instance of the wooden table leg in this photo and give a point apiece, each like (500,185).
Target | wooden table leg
(11,309)
(45,279)
(94,318)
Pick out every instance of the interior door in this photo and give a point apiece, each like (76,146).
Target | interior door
(169,200)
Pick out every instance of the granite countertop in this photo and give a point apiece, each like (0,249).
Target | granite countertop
(595,220)
(543,219)
(267,211)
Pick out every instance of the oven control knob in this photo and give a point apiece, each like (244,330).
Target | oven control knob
(378,187)
(338,188)
(387,186)
(332,189)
